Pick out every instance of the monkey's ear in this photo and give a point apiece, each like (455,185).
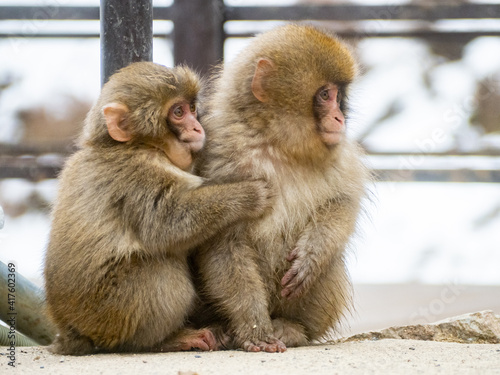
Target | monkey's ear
(264,67)
(117,121)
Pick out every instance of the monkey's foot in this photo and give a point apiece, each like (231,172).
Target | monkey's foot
(70,343)
(189,339)
(270,345)
(222,338)
(290,333)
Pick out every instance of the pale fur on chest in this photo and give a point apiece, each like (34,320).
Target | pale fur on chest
(301,191)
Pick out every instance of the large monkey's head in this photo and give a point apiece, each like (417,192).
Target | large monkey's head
(290,83)
(150,104)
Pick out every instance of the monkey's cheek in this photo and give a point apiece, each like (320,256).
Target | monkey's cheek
(331,138)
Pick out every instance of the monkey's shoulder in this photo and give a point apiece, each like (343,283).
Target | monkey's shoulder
(133,164)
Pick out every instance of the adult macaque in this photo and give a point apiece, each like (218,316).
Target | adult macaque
(276,113)
(127,215)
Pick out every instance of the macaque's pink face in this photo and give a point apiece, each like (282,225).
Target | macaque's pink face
(330,119)
(183,122)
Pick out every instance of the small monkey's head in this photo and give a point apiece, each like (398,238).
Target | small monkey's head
(150,104)
(292,82)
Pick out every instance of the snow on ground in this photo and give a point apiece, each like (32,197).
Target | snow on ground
(23,241)
(430,233)
(433,233)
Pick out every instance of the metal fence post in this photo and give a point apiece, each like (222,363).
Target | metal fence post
(198,33)
(126,34)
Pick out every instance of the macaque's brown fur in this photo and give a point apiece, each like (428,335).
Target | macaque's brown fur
(281,280)
(126,218)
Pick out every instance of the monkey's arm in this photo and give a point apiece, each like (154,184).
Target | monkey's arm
(175,218)
(323,239)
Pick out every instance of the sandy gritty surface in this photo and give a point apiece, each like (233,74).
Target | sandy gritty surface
(377,306)
(369,357)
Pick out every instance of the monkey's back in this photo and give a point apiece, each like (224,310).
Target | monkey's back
(84,222)
(96,266)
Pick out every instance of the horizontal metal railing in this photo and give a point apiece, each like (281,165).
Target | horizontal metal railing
(23,162)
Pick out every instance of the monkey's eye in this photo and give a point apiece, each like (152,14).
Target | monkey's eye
(325,94)
(192,107)
(178,111)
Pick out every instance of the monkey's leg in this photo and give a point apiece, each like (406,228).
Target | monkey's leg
(167,297)
(323,306)
(130,304)
(232,282)
(289,332)
(224,340)
(69,342)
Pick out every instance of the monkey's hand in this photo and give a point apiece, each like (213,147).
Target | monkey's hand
(322,241)
(263,197)
(301,275)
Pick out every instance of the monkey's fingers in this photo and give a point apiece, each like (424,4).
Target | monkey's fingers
(294,290)
(289,276)
(292,272)
(292,255)
(294,283)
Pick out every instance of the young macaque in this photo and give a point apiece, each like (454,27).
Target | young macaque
(277,113)
(128,215)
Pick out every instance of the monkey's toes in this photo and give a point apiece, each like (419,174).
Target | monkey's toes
(202,339)
(269,346)
(275,346)
(209,340)
(250,347)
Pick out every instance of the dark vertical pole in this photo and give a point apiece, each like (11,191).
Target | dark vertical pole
(126,34)
(198,33)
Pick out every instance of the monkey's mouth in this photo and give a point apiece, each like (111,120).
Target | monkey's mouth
(195,146)
(332,132)
(331,137)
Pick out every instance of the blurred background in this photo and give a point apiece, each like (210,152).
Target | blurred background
(426,108)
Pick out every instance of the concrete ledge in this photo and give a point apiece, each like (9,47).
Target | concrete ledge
(365,357)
